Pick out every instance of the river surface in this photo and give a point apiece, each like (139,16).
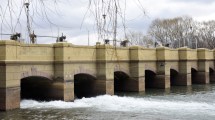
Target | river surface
(178,103)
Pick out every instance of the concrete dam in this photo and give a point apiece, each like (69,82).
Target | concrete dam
(63,71)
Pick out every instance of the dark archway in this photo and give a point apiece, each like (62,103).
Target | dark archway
(194,75)
(35,87)
(120,81)
(84,85)
(149,79)
(212,75)
(173,77)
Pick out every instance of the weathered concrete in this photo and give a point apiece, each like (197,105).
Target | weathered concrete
(104,68)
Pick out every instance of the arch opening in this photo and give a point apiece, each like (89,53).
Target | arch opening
(120,81)
(212,75)
(34,87)
(193,75)
(173,77)
(149,79)
(84,85)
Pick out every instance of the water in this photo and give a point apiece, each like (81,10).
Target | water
(178,103)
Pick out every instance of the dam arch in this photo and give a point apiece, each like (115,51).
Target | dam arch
(84,85)
(35,87)
(150,79)
(211,75)
(174,77)
(194,74)
(121,81)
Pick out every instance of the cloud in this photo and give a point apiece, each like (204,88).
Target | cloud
(68,16)
(195,1)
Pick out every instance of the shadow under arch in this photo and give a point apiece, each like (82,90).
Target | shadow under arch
(212,75)
(174,77)
(84,85)
(36,87)
(194,73)
(150,79)
(121,80)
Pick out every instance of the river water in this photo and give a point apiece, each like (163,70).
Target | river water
(196,102)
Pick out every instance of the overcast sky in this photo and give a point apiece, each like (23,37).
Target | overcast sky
(70,15)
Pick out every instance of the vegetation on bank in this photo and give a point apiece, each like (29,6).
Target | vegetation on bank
(177,32)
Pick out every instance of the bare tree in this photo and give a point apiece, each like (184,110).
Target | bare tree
(176,31)
(109,16)
(206,34)
(138,38)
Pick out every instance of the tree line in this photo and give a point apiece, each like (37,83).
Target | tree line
(177,32)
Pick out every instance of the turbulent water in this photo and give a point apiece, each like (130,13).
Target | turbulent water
(178,103)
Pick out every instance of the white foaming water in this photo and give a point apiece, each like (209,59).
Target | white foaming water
(124,104)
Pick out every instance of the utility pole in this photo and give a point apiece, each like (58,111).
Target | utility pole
(179,43)
(88,38)
(27,15)
(184,43)
(104,26)
(115,26)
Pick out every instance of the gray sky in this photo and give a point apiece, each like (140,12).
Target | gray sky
(69,17)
